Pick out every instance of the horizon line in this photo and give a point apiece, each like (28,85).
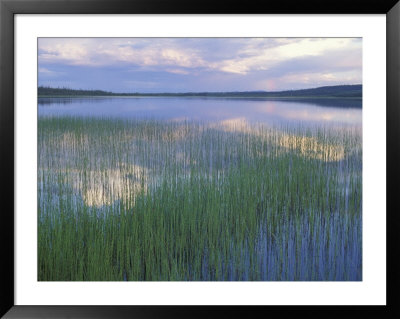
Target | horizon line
(199,92)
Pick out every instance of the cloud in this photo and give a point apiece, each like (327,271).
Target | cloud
(257,57)
(95,52)
(240,56)
(47,72)
(320,77)
(204,63)
(73,51)
(177,71)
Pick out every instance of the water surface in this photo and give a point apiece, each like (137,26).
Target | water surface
(288,112)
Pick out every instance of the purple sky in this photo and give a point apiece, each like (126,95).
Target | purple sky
(198,64)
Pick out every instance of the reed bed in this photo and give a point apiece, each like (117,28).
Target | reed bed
(151,200)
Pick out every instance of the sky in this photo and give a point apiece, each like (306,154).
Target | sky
(198,64)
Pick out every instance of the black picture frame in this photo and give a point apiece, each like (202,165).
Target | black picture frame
(8,8)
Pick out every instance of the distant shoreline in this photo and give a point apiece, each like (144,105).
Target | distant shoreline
(323,92)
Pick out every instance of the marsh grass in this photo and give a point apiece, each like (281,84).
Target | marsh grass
(153,200)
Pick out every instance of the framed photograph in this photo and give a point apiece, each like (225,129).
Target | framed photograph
(167,159)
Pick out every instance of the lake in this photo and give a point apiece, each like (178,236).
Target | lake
(287,112)
(128,191)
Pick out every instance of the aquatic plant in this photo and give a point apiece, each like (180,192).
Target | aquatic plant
(155,200)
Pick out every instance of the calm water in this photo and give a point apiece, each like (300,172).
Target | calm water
(112,171)
(309,112)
